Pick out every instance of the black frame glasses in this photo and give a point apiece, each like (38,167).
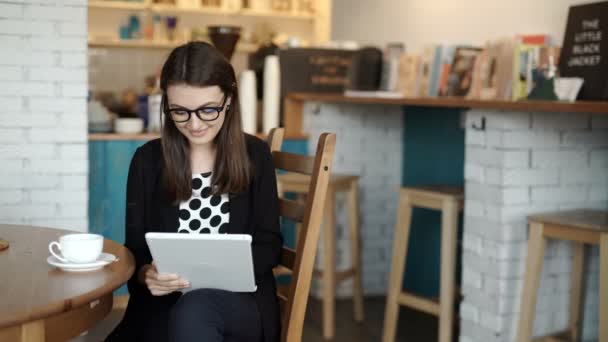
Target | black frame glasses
(204,113)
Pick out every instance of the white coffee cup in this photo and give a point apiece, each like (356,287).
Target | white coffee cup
(78,248)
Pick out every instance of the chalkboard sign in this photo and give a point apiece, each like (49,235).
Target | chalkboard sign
(314,70)
(585,49)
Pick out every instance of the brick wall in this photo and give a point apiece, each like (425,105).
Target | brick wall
(369,144)
(526,163)
(43,120)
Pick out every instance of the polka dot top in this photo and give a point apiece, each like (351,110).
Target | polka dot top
(204,213)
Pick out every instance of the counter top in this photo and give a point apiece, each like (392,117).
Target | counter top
(596,107)
(293,105)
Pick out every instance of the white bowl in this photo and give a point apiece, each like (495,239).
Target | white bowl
(128,125)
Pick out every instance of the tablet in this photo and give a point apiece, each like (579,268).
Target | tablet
(207,261)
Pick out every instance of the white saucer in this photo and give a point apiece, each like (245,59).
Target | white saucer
(104,259)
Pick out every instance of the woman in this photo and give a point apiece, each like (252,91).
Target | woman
(205,176)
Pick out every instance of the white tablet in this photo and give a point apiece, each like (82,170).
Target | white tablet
(212,261)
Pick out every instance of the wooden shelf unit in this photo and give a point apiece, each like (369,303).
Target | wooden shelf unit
(320,20)
(168,9)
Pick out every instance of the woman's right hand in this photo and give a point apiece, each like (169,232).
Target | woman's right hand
(161,284)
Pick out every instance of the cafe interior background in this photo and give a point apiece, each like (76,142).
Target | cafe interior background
(79,93)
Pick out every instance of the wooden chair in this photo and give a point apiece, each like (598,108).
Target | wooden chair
(450,201)
(581,227)
(300,263)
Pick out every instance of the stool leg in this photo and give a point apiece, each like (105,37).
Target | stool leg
(400,244)
(353,210)
(329,265)
(534,266)
(603,288)
(576,291)
(449,230)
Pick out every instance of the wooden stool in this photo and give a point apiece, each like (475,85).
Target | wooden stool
(297,183)
(450,201)
(581,227)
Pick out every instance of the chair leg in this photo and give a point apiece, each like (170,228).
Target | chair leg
(353,210)
(329,265)
(603,288)
(400,244)
(576,291)
(534,266)
(449,233)
(33,331)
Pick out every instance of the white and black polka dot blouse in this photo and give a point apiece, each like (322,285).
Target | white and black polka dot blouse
(204,213)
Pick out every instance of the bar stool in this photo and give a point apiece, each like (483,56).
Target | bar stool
(297,183)
(581,227)
(449,200)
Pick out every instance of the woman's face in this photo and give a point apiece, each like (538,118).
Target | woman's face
(207,102)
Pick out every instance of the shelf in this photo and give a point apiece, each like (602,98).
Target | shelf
(119,5)
(172,9)
(275,14)
(594,107)
(144,44)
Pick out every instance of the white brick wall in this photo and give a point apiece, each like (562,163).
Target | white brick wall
(525,163)
(43,114)
(371,148)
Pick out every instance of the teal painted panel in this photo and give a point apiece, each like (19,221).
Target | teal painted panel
(299,146)
(109,166)
(433,153)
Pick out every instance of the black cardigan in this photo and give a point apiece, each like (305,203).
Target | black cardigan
(254,212)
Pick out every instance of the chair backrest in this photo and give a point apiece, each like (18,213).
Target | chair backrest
(294,297)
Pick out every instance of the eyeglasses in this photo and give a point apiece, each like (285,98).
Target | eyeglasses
(204,113)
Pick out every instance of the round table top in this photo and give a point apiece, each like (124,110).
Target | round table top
(31,289)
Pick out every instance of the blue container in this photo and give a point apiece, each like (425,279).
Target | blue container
(142,109)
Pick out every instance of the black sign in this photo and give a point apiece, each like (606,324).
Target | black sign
(314,70)
(585,49)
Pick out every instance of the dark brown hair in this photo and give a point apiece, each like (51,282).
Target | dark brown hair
(199,64)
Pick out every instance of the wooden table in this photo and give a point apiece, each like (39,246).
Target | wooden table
(41,303)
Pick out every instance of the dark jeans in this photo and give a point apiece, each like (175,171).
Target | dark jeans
(200,315)
(215,315)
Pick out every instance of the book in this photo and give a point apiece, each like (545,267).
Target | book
(460,75)
(542,64)
(382,94)
(504,69)
(436,70)
(446,59)
(492,71)
(409,75)
(480,73)
(426,70)
(390,66)
(584,51)
(525,49)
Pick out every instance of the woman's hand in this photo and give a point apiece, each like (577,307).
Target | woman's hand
(161,284)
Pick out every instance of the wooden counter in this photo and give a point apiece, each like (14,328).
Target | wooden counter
(294,102)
